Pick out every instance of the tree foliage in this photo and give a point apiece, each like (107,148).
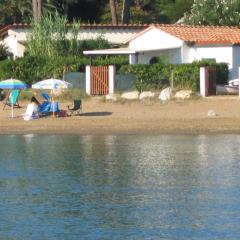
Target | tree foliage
(4,52)
(171,11)
(214,12)
(16,11)
(198,12)
(127,11)
(149,11)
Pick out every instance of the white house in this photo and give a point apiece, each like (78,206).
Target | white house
(14,36)
(183,44)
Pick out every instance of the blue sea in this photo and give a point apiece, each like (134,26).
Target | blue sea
(119,187)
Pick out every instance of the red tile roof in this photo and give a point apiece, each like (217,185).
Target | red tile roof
(4,29)
(200,35)
(203,35)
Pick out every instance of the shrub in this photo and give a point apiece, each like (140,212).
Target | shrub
(4,52)
(157,76)
(33,68)
(50,37)
(118,61)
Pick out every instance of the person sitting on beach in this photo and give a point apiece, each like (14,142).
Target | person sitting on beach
(37,105)
(33,110)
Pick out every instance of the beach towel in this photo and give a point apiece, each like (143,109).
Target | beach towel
(31,112)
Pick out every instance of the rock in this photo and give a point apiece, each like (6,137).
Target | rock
(111,97)
(144,95)
(211,113)
(165,94)
(183,94)
(130,95)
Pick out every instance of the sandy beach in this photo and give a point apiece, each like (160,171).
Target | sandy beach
(148,117)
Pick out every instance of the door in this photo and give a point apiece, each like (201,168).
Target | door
(99,80)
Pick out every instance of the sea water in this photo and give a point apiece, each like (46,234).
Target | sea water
(119,187)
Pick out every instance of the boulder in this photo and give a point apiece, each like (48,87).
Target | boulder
(145,95)
(111,97)
(211,113)
(165,94)
(183,94)
(130,95)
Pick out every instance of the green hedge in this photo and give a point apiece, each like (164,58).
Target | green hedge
(153,76)
(184,76)
(31,69)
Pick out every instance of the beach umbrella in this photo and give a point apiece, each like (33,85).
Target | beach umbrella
(52,84)
(12,84)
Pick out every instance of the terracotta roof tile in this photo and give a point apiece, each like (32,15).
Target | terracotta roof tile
(203,35)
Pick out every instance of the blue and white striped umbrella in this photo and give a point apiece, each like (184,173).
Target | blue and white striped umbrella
(12,84)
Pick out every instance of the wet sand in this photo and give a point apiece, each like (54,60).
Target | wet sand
(132,117)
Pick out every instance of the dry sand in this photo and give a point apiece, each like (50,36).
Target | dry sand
(148,117)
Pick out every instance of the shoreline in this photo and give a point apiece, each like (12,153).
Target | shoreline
(188,117)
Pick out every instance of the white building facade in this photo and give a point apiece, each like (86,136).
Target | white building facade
(15,36)
(173,47)
(178,44)
(174,43)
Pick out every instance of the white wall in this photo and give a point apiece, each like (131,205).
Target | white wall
(20,50)
(11,43)
(14,46)
(21,34)
(187,53)
(117,36)
(220,53)
(236,63)
(155,39)
(169,55)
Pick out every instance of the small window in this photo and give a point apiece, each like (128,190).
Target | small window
(212,60)
(163,60)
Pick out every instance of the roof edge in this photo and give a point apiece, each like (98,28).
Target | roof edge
(4,29)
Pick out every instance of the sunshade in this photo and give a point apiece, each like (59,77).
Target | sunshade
(12,84)
(51,84)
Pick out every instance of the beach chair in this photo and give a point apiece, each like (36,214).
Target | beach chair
(45,108)
(46,96)
(30,112)
(77,107)
(12,99)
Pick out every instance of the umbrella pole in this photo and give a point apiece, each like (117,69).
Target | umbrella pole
(53,108)
(12,110)
(53,114)
(52,100)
